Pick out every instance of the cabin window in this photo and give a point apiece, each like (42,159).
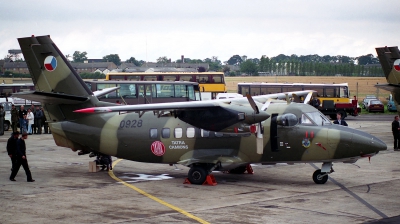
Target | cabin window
(185,78)
(180,91)
(178,132)
(218,78)
(218,134)
(205,133)
(169,78)
(127,90)
(190,133)
(153,133)
(165,133)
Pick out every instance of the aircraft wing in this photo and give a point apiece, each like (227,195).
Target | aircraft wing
(105,91)
(281,96)
(193,105)
(51,98)
(212,115)
(388,87)
(154,107)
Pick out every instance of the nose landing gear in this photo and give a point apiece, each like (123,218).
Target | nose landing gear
(321,176)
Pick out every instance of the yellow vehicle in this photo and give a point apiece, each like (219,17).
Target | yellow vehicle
(332,98)
(210,83)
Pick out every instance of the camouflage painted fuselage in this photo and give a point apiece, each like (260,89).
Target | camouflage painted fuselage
(129,136)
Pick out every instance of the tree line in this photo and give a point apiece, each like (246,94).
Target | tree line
(303,65)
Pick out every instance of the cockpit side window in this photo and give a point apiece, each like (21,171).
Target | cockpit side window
(305,119)
(315,118)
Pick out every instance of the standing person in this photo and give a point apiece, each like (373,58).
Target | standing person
(45,124)
(30,117)
(38,120)
(2,115)
(34,121)
(339,120)
(22,122)
(396,131)
(21,159)
(14,118)
(316,102)
(12,147)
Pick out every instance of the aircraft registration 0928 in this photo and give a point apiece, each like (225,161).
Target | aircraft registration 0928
(223,135)
(130,124)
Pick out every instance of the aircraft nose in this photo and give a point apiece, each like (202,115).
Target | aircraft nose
(368,143)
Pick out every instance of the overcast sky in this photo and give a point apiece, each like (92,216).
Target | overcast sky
(150,29)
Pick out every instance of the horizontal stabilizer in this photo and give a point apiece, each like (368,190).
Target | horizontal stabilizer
(51,98)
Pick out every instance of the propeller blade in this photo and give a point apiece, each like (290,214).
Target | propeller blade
(260,139)
(266,104)
(308,98)
(252,104)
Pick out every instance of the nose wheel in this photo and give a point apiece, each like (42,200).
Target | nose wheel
(320,177)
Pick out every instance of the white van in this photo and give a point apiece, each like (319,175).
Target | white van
(7,107)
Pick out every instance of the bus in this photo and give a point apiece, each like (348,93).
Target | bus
(7,90)
(210,83)
(144,92)
(333,98)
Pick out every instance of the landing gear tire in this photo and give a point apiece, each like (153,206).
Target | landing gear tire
(319,177)
(197,175)
(238,170)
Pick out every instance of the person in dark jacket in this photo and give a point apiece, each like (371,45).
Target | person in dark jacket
(14,118)
(339,120)
(2,115)
(12,147)
(21,159)
(38,120)
(396,131)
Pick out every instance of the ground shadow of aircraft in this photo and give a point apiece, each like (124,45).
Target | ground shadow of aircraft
(224,135)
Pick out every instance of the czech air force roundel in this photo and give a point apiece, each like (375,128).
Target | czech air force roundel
(50,63)
(396,65)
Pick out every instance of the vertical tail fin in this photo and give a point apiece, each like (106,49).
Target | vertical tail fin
(58,87)
(389,57)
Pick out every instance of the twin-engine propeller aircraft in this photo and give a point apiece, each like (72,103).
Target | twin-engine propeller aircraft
(224,135)
(389,57)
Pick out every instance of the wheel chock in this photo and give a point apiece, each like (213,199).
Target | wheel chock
(210,180)
(249,169)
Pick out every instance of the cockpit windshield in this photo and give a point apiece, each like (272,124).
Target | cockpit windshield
(315,118)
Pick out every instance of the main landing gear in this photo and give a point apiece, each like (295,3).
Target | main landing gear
(321,176)
(200,174)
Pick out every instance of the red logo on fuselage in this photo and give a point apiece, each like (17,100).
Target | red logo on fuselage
(158,148)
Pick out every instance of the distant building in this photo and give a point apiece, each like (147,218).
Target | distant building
(104,67)
(154,65)
(15,67)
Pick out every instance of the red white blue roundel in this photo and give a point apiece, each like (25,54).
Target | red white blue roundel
(50,63)
(396,65)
